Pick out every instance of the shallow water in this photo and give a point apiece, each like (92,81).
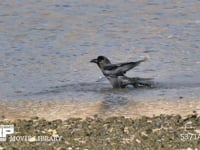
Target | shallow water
(46,47)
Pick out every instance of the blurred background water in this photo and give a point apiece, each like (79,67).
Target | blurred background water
(46,46)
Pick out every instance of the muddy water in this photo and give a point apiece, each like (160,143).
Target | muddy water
(46,47)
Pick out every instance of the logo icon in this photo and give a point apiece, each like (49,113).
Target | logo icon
(5,130)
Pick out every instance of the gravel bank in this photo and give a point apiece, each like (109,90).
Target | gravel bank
(158,132)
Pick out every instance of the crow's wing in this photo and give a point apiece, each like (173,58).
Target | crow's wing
(120,68)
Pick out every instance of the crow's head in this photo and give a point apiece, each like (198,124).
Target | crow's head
(101,61)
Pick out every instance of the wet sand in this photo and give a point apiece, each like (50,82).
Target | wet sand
(51,110)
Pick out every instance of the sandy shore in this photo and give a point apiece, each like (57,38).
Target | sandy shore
(51,110)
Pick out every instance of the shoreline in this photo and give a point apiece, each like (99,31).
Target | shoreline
(52,110)
(79,124)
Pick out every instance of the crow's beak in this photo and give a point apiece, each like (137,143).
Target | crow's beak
(93,61)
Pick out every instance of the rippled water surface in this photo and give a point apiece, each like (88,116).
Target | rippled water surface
(46,47)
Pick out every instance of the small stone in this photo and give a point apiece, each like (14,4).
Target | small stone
(126,130)
(138,141)
(197,131)
(148,131)
(50,130)
(1,148)
(61,148)
(54,132)
(149,121)
(34,118)
(194,111)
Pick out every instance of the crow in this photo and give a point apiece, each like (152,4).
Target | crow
(115,73)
